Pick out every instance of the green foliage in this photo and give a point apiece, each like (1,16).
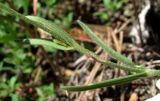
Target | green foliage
(24,4)
(8,87)
(110,6)
(114,5)
(64,20)
(62,36)
(104,46)
(49,44)
(67,20)
(102,15)
(50,2)
(45,92)
(13,52)
(15,58)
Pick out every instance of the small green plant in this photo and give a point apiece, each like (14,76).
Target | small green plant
(67,42)
(63,19)
(44,92)
(114,5)
(110,7)
(14,58)
(8,88)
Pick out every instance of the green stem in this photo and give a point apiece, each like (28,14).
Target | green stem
(111,64)
(106,83)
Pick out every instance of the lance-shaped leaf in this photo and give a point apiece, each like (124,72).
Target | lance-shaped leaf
(104,46)
(106,83)
(49,44)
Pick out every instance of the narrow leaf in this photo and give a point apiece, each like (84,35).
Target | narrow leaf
(106,83)
(50,27)
(48,44)
(112,52)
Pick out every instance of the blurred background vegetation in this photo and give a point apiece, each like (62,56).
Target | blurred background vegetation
(29,73)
